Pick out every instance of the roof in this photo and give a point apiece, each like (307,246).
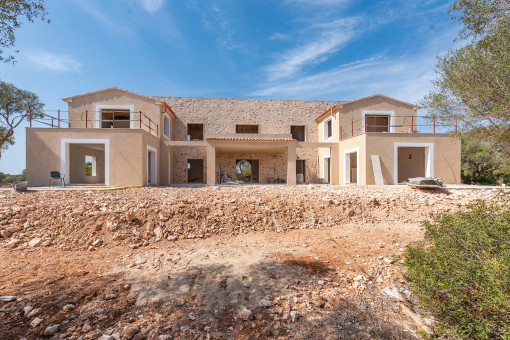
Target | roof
(253,139)
(342,104)
(414,106)
(326,113)
(69,99)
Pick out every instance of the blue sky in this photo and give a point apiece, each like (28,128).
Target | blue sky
(287,49)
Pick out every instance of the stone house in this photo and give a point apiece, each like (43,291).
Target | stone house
(132,139)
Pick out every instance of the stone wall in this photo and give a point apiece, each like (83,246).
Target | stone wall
(220,115)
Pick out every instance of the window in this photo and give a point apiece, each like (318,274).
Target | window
(247,129)
(377,123)
(90,165)
(166,126)
(298,132)
(112,118)
(195,131)
(328,128)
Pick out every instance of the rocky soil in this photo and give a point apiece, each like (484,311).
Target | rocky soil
(211,263)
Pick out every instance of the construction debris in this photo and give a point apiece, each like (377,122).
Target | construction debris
(425,182)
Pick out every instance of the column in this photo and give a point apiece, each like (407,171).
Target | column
(291,164)
(335,165)
(211,164)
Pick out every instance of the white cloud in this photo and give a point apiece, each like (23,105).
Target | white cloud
(152,6)
(330,38)
(406,77)
(107,20)
(279,36)
(54,62)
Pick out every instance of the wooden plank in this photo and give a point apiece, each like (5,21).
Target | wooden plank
(376,165)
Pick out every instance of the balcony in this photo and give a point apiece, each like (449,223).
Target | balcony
(109,119)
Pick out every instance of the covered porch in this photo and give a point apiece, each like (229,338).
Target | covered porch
(251,159)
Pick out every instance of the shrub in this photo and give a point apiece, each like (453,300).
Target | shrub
(461,271)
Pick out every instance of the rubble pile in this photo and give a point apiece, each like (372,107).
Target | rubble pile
(142,216)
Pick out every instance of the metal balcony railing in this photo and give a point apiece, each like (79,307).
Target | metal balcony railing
(60,119)
(396,124)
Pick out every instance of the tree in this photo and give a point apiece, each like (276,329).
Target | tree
(11,14)
(15,106)
(474,81)
(479,157)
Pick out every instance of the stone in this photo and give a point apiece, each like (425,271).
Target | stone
(245,314)
(34,312)
(294,315)
(130,331)
(191,317)
(86,328)
(68,307)
(36,322)
(51,330)
(8,298)
(264,303)
(106,337)
(5,233)
(158,232)
(27,309)
(351,213)
(35,242)
(13,228)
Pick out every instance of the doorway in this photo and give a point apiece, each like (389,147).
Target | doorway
(247,170)
(351,166)
(326,169)
(195,171)
(300,171)
(411,163)
(152,168)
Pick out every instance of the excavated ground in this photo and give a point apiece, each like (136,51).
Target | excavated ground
(250,262)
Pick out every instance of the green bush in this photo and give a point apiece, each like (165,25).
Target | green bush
(6,178)
(461,271)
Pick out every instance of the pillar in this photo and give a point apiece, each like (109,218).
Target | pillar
(291,164)
(211,164)
(335,165)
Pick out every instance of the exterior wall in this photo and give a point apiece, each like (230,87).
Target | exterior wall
(79,105)
(126,150)
(353,112)
(446,154)
(161,163)
(220,115)
(180,155)
(349,144)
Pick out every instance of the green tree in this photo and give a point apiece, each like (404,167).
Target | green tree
(474,81)
(15,106)
(12,13)
(479,157)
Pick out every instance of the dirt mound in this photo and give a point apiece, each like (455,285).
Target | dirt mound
(143,216)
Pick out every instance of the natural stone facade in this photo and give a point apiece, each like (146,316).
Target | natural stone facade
(220,115)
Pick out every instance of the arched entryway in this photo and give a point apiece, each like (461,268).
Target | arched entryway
(247,170)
